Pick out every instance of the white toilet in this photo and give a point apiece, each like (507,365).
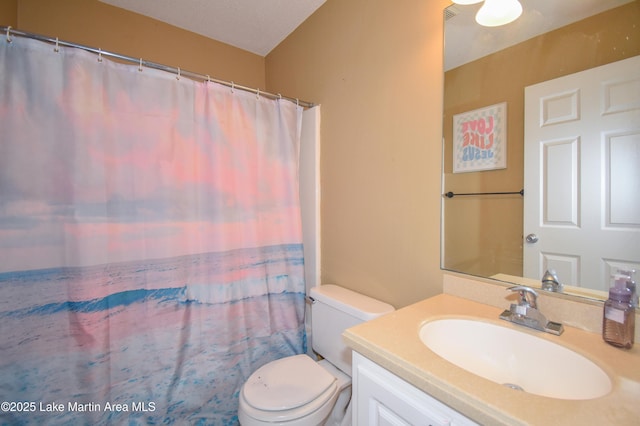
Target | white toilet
(297,390)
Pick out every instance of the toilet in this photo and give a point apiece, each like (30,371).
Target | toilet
(297,390)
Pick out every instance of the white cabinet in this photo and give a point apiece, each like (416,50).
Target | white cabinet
(382,398)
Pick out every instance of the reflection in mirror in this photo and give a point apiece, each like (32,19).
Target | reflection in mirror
(486,73)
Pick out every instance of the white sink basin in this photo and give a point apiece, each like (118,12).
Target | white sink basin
(516,359)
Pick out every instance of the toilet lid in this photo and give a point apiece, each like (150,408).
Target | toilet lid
(286,383)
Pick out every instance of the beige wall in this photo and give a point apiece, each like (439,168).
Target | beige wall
(9,13)
(376,69)
(96,24)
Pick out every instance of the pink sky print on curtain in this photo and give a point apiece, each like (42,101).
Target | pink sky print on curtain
(150,238)
(179,159)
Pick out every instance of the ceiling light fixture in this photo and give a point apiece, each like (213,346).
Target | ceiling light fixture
(494,13)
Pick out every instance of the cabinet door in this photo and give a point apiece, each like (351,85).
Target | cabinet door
(382,398)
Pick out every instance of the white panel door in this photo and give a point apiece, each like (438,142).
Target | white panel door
(582,175)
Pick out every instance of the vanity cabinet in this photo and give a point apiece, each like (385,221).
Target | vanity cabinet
(382,398)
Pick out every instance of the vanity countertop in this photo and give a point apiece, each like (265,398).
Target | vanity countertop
(392,341)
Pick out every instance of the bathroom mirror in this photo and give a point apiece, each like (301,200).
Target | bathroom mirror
(486,72)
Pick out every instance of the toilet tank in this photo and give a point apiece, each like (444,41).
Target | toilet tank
(335,309)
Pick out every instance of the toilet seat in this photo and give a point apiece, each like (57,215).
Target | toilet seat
(287,389)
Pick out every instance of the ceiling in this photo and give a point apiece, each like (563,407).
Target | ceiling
(253,25)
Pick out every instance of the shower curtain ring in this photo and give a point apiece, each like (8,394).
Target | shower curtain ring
(208,78)
(232,86)
(258,94)
(178,76)
(99,55)
(9,34)
(140,66)
(57,48)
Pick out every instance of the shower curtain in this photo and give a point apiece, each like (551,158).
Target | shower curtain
(150,241)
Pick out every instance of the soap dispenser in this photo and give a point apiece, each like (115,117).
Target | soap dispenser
(631,285)
(618,322)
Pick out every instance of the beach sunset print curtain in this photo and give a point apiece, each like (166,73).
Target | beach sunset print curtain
(150,241)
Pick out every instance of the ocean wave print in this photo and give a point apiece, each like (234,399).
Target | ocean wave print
(182,332)
(120,299)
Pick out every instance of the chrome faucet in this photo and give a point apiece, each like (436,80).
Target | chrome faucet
(526,312)
(550,282)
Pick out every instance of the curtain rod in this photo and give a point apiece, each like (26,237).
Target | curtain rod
(142,63)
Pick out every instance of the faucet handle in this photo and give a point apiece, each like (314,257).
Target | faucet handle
(528,296)
(526,312)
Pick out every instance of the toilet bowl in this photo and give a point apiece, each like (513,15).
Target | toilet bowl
(292,391)
(297,390)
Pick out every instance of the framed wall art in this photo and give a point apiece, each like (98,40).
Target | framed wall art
(480,139)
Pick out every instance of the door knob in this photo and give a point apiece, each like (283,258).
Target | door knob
(532,238)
